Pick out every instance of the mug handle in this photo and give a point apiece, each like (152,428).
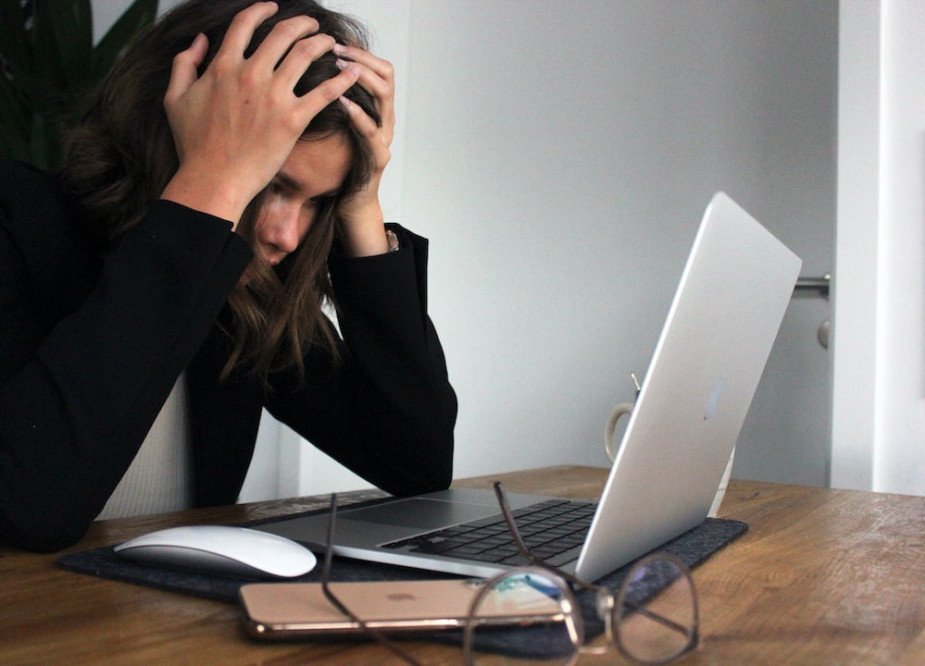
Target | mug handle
(610,446)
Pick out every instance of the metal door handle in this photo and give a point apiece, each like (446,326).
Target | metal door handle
(820,284)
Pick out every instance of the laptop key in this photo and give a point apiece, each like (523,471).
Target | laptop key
(498,554)
(466,551)
(515,561)
(437,547)
(563,558)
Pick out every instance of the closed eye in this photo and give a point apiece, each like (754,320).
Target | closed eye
(276,187)
(283,184)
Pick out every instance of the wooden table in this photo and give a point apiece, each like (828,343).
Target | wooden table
(821,577)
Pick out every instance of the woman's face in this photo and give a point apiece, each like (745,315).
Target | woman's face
(314,171)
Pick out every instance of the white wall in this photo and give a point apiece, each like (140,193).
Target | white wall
(880,373)
(559,158)
(559,163)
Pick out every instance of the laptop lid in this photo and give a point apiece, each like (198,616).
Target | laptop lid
(703,374)
(717,337)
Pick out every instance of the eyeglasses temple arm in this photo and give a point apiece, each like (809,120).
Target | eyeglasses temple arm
(339,605)
(525,550)
(574,580)
(661,619)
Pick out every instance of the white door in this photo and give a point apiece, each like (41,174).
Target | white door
(787,434)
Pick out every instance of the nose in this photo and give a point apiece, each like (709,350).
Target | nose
(281,230)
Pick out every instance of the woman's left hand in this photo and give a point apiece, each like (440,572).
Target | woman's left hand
(364,233)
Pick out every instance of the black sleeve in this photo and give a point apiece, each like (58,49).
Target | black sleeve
(78,395)
(388,411)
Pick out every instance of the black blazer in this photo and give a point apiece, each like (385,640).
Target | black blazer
(91,345)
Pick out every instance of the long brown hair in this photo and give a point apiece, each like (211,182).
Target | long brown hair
(121,156)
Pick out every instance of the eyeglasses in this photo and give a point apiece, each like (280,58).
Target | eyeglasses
(652,619)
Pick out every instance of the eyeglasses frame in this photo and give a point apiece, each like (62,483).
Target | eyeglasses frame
(605,600)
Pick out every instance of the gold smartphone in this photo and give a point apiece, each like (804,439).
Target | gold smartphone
(289,610)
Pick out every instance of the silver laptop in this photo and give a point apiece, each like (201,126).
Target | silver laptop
(713,348)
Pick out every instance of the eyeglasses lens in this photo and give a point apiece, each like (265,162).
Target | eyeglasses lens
(655,617)
(547,620)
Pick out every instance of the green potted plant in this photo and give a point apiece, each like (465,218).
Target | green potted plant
(48,63)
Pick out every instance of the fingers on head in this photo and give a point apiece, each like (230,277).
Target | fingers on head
(381,68)
(284,35)
(302,54)
(183,72)
(360,119)
(242,26)
(326,92)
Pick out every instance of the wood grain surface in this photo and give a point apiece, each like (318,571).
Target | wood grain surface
(821,577)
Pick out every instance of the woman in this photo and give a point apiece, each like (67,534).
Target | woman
(222,187)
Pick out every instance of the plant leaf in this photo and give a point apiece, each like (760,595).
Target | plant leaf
(15,112)
(71,24)
(47,68)
(15,45)
(49,58)
(139,15)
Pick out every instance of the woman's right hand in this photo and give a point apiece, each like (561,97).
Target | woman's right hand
(234,126)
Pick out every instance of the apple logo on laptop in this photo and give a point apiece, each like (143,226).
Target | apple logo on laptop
(713,400)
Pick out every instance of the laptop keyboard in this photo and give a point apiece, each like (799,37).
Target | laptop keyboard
(550,529)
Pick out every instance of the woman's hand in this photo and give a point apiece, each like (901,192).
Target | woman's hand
(234,126)
(361,213)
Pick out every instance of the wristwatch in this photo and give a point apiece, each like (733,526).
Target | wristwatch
(392,239)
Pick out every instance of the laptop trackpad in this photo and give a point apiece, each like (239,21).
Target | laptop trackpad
(420,513)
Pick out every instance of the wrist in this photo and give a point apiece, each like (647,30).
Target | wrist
(206,195)
(369,241)
(364,232)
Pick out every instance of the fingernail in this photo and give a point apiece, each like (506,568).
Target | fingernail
(339,49)
(341,64)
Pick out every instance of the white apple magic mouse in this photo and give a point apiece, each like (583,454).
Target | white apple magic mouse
(220,549)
